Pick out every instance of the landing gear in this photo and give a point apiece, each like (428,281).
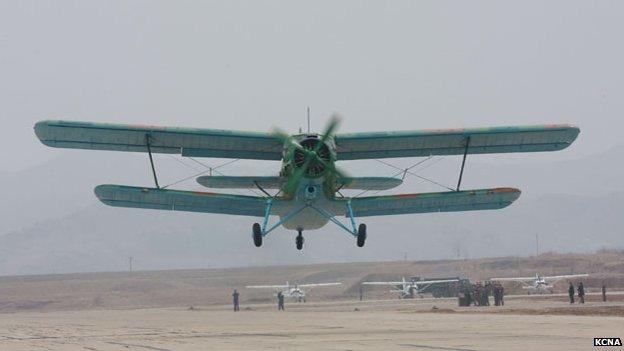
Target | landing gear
(299,240)
(361,235)
(257,234)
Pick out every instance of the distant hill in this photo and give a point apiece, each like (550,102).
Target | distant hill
(200,287)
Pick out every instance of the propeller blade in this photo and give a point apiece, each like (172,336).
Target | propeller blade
(295,178)
(286,138)
(331,127)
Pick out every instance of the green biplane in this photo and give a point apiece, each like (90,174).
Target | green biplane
(308,185)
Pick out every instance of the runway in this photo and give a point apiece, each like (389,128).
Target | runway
(428,324)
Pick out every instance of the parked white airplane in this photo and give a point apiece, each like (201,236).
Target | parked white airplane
(296,291)
(407,288)
(539,284)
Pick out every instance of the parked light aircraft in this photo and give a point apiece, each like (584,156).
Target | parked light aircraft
(407,288)
(296,291)
(309,184)
(539,284)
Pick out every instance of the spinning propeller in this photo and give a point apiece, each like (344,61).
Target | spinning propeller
(312,156)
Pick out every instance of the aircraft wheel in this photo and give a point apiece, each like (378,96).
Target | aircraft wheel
(257,234)
(361,235)
(299,241)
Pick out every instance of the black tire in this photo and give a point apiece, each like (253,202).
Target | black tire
(299,242)
(361,235)
(257,234)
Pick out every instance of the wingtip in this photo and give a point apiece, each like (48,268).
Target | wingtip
(40,128)
(101,191)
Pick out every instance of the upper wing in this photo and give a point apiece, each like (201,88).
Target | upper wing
(567,276)
(466,200)
(316,284)
(419,143)
(178,200)
(168,140)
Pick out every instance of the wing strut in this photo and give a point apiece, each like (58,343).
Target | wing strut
(461,172)
(262,189)
(149,152)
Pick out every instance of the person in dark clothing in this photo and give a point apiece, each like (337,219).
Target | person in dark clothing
(478,294)
(235,300)
(496,297)
(468,297)
(604,293)
(486,293)
(361,293)
(581,293)
(501,296)
(497,294)
(571,292)
(280,301)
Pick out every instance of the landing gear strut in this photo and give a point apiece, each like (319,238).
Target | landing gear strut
(257,234)
(361,235)
(299,240)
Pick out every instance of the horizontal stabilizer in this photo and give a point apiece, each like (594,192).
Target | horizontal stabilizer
(249,182)
(244,182)
(369,183)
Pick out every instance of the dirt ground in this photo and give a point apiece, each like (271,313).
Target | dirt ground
(189,309)
(421,324)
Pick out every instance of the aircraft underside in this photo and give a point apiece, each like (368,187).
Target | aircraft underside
(310,209)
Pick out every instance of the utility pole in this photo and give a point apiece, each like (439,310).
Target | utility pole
(130,258)
(536,245)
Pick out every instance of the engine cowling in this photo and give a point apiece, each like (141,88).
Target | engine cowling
(315,168)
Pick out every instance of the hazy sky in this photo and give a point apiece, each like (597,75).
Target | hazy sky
(253,64)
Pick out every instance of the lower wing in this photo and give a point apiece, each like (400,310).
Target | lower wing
(178,200)
(451,201)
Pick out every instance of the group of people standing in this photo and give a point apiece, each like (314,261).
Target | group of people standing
(499,293)
(580,291)
(479,294)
